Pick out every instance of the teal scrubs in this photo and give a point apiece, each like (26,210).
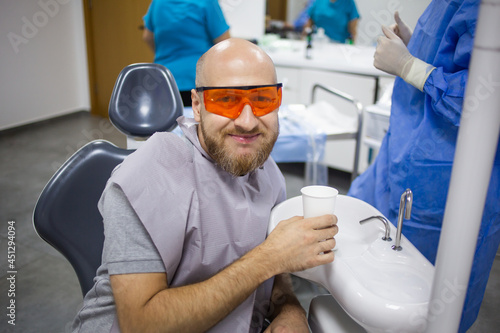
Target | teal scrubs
(183,31)
(418,149)
(334,17)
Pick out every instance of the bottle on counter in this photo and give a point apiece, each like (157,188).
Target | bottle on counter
(309,33)
(320,38)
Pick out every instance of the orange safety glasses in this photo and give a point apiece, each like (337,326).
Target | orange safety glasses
(230,101)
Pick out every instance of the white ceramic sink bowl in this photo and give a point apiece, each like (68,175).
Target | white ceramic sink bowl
(381,289)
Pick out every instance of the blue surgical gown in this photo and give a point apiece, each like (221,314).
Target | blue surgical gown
(418,149)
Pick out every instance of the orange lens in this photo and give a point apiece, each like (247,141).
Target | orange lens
(230,101)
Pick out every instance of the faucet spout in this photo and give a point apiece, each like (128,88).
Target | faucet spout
(387,224)
(404,213)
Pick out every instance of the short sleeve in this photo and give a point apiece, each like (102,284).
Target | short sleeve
(216,23)
(148,18)
(311,10)
(128,247)
(353,11)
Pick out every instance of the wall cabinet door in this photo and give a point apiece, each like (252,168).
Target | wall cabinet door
(290,78)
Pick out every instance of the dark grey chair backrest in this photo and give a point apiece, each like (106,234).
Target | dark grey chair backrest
(145,100)
(66,214)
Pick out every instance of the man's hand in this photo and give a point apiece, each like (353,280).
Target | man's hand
(297,243)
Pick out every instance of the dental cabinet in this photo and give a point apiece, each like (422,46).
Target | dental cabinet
(347,68)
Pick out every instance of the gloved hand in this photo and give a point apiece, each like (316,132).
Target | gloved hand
(400,28)
(393,57)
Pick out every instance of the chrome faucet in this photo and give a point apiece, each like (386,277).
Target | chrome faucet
(386,223)
(404,212)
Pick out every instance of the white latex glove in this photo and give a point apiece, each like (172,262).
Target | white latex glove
(392,56)
(401,29)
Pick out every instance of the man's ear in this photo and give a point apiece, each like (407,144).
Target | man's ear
(196,104)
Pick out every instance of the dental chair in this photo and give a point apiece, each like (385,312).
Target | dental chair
(145,100)
(66,214)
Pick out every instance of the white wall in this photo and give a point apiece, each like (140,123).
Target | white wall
(374,13)
(294,8)
(43,65)
(43,60)
(246,18)
(381,12)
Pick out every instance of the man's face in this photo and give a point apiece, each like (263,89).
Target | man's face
(241,145)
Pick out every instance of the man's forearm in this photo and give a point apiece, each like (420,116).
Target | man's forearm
(197,307)
(145,303)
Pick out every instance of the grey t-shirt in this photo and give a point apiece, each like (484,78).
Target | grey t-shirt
(138,256)
(198,217)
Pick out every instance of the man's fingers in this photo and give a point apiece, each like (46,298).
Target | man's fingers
(327,233)
(327,245)
(326,257)
(321,222)
(290,220)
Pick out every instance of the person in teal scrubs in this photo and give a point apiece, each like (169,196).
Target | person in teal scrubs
(432,65)
(339,18)
(303,17)
(179,32)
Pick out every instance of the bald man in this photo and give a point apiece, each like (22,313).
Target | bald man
(186,218)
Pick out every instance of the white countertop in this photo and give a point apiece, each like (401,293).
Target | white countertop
(343,58)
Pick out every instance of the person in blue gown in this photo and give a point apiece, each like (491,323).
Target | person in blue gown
(431,65)
(179,32)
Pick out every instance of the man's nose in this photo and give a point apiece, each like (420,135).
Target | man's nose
(247,121)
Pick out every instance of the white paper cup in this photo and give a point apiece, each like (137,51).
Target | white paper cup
(318,200)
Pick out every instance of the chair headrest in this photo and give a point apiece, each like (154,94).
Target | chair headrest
(145,100)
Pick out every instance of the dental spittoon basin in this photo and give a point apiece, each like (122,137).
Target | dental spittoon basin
(381,289)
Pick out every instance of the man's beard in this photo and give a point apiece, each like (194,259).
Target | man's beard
(242,163)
